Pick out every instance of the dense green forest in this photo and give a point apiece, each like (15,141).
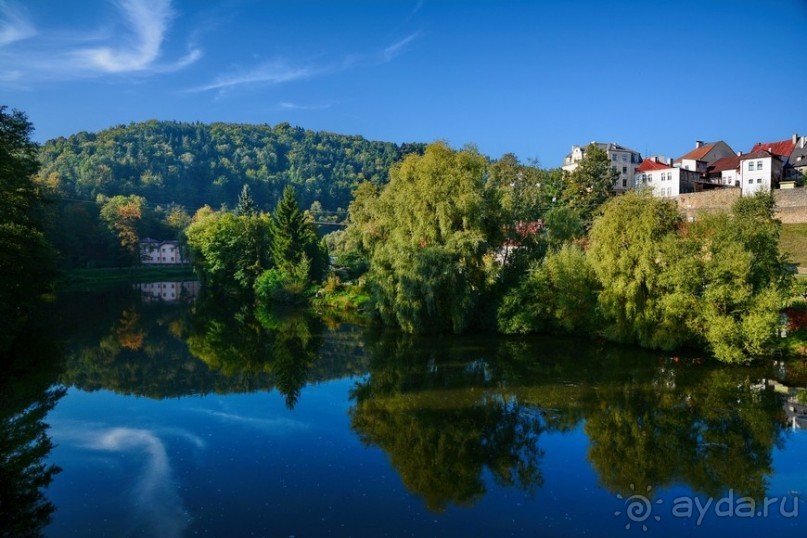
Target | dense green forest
(193,164)
(110,189)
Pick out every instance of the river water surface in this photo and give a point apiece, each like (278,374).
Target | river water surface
(176,415)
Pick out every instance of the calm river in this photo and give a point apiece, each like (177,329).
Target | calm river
(176,415)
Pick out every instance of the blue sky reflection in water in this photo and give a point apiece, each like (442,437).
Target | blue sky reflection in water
(400,436)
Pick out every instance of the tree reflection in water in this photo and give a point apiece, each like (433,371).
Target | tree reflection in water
(242,341)
(452,411)
(27,394)
(442,422)
(444,410)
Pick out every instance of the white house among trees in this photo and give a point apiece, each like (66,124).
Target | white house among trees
(160,252)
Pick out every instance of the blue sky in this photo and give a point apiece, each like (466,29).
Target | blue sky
(531,78)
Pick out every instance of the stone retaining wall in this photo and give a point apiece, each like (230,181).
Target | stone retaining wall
(791,205)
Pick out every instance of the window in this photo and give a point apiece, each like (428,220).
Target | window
(759,180)
(750,181)
(759,165)
(624,182)
(624,157)
(750,166)
(624,169)
(613,156)
(613,168)
(644,178)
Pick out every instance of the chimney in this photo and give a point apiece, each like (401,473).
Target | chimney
(795,138)
(670,162)
(698,143)
(803,140)
(739,154)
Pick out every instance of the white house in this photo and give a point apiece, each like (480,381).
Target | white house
(159,252)
(760,171)
(784,150)
(704,154)
(623,160)
(725,171)
(665,179)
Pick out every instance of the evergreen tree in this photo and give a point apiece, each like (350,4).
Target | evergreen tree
(294,237)
(246,205)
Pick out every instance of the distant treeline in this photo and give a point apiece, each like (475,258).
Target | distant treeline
(162,172)
(193,164)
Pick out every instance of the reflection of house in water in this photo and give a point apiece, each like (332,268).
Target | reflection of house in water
(796,415)
(795,411)
(168,292)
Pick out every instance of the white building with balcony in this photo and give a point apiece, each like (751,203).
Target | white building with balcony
(622,159)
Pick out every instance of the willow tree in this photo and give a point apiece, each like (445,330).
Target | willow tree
(625,248)
(427,235)
(718,283)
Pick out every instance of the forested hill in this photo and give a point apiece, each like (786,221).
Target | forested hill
(193,164)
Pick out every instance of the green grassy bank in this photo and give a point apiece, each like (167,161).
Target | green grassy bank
(87,279)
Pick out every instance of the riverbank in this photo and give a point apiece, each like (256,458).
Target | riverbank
(90,279)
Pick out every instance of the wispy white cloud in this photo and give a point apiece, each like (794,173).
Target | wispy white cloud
(136,48)
(14,25)
(288,105)
(279,71)
(415,10)
(273,425)
(158,509)
(148,21)
(397,48)
(270,73)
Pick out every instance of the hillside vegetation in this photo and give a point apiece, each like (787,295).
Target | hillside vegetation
(193,164)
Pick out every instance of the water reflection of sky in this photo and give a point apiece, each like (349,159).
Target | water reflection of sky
(242,464)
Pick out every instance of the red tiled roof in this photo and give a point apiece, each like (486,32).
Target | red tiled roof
(697,154)
(648,165)
(528,229)
(782,148)
(726,163)
(758,154)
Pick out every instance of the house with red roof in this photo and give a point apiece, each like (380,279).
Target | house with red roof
(665,179)
(791,152)
(725,171)
(781,149)
(704,154)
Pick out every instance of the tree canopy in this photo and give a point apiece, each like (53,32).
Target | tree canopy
(427,234)
(26,259)
(193,164)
